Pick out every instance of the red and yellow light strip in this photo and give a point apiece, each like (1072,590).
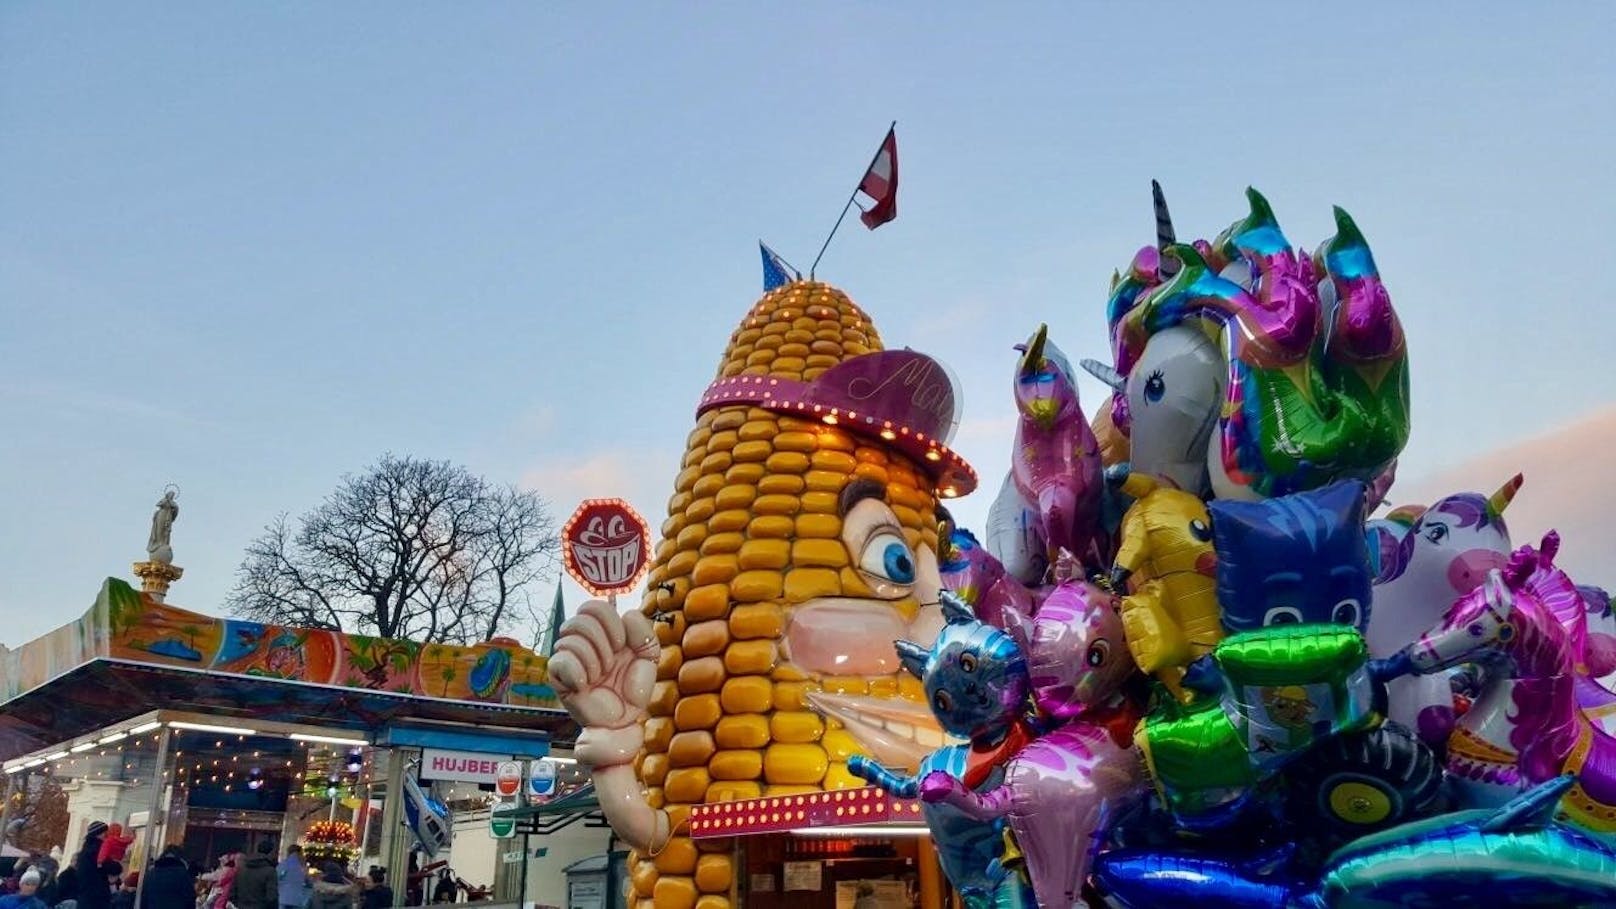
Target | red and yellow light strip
(784,813)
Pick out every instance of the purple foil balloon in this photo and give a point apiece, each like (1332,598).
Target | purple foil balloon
(1056,795)
(1077,654)
(1055,464)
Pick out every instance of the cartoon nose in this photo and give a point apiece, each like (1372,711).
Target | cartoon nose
(1469,568)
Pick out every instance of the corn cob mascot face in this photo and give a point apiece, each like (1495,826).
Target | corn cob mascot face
(800,542)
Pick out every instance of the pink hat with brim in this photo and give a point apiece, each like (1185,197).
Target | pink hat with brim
(905,399)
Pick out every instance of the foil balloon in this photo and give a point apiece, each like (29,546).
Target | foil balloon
(975,678)
(1380,486)
(1304,356)
(1516,855)
(1601,635)
(1113,442)
(1166,557)
(1527,725)
(1076,651)
(977,578)
(1277,692)
(1014,537)
(1057,790)
(1444,553)
(1056,795)
(1296,560)
(1150,878)
(1055,464)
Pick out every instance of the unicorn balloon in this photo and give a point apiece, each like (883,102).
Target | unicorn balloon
(1249,370)
(1055,471)
(1442,553)
(1528,725)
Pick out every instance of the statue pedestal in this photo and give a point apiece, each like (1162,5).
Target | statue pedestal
(156,576)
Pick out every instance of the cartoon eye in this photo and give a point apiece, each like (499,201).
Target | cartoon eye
(1155,387)
(1200,531)
(1282,615)
(1098,651)
(887,556)
(1347,612)
(942,702)
(967,662)
(1436,533)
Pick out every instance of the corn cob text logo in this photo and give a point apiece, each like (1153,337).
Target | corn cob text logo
(604,546)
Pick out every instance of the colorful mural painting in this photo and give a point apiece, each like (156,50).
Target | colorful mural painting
(127,625)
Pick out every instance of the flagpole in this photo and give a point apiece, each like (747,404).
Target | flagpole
(782,259)
(854,195)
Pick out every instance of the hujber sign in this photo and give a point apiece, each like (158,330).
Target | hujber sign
(461,766)
(606,546)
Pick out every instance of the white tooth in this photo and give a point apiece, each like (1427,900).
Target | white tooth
(929,737)
(903,729)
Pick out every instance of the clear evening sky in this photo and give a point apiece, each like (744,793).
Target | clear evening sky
(247,247)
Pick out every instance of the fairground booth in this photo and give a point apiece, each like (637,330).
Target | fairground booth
(801,541)
(216,734)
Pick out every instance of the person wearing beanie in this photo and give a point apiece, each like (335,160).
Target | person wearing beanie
(256,886)
(94,892)
(27,895)
(171,882)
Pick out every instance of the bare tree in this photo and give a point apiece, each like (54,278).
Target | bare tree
(38,816)
(415,549)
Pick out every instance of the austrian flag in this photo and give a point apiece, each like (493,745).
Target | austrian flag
(880,183)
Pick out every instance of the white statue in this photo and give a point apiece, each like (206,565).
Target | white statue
(157,545)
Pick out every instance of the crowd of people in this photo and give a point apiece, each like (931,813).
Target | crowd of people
(94,881)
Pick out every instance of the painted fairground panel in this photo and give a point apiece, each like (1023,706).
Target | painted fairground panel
(126,625)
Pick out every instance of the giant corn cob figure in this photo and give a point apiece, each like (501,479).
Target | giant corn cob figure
(800,542)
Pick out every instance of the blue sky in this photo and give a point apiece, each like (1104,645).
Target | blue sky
(245,248)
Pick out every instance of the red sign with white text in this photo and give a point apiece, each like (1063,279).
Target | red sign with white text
(606,546)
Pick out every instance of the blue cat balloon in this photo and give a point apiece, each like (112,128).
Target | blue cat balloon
(975,679)
(1299,559)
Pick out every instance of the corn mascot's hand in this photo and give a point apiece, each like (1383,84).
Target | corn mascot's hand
(603,669)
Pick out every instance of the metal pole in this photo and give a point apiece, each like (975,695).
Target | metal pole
(522,891)
(160,781)
(395,844)
(873,158)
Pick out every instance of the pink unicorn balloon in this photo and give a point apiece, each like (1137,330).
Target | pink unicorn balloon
(1528,724)
(1057,790)
(1055,469)
(1444,552)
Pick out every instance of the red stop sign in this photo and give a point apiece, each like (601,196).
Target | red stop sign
(606,546)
